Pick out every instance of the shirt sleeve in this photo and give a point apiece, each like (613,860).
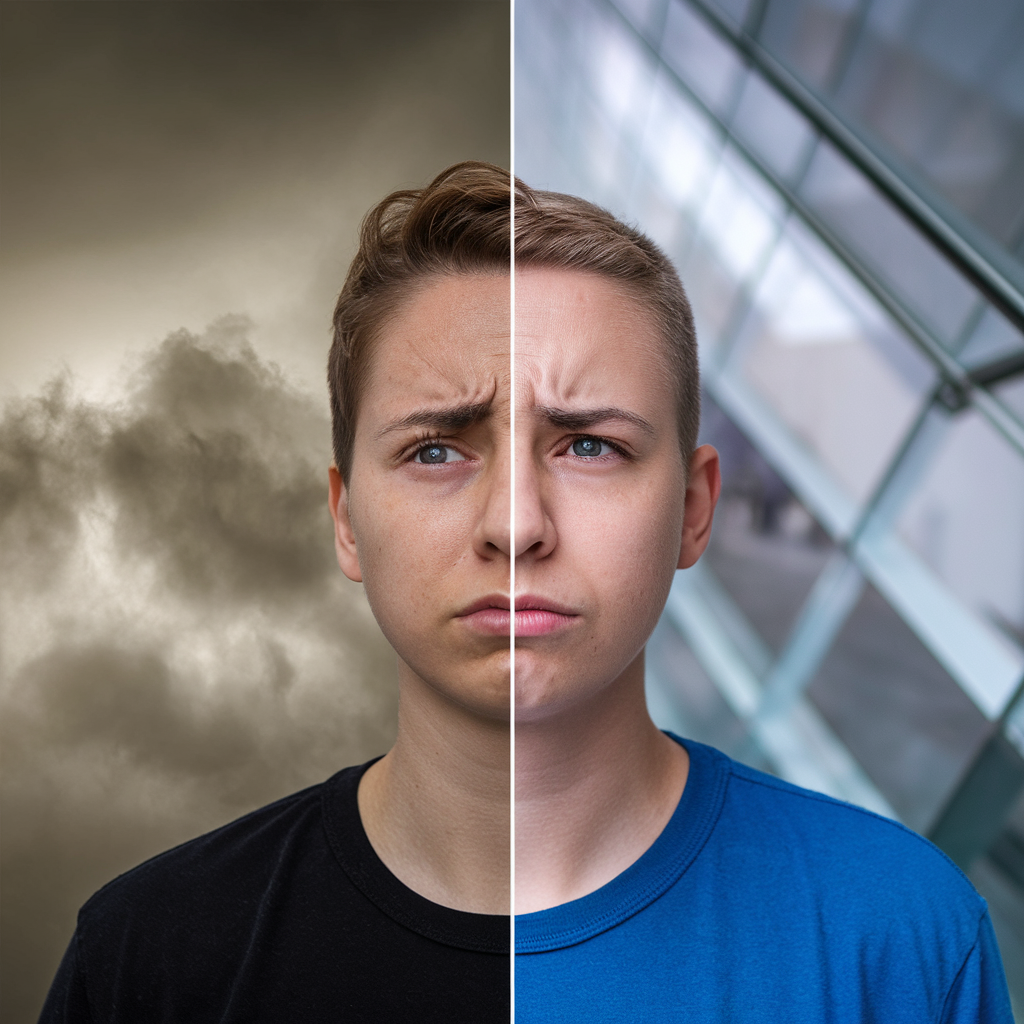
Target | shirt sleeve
(979,994)
(67,1002)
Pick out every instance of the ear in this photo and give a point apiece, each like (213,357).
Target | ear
(344,538)
(702,488)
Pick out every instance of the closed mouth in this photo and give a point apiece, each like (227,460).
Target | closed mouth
(498,602)
(531,603)
(489,616)
(538,616)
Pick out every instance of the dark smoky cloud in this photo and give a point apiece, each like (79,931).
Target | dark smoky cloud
(178,644)
(244,520)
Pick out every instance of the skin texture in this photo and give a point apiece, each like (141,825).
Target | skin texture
(598,537)
(429,541)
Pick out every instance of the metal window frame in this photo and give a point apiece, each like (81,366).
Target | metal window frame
(993,271)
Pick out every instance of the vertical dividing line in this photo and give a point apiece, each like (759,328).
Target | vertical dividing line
(512,513)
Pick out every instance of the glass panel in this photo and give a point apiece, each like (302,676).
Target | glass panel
(994,338)
(645,15)
(690,701)
(601,156)
(965,520)
(741,217)
(545,157)
(772,128)
(931,80)
(806,35)
(550,88)
(658,216)
(915,271)
(1007,853)
(963,38)
(548,53)
(681,147)
(620,71)
(766,549)
(735,10)
(541,37)
(679,156)
(1013,729)
(1011,395)
(833,368)
(701,58)
(999,878)
(738,224)
(903,718)
(572,139)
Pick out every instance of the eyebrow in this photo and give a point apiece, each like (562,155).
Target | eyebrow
(582,419)
(447,420)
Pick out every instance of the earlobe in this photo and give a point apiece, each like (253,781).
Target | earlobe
(344,538)
(702,490)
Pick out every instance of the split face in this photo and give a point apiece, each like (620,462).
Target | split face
(606,506)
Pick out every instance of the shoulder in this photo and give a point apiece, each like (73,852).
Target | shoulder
(845,831)
(847,854)
(215,876)
(184,933)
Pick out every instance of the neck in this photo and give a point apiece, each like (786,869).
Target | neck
(437,807)
(595,786)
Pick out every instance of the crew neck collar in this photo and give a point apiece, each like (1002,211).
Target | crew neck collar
(482,933)
(647,878)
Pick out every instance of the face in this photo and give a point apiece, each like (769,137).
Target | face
(606,508)
(424,522)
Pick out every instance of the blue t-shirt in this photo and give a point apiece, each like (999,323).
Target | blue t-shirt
(761,901)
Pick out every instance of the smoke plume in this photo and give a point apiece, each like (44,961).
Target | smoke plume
(177,644)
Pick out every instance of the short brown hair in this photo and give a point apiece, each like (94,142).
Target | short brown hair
(459,224)
(562,232)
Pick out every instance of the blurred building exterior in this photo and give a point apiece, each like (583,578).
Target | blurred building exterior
(841,184)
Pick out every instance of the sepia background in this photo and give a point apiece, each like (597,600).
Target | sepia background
(181,189)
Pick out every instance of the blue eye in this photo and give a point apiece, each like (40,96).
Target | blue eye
(435,454)
(589,447)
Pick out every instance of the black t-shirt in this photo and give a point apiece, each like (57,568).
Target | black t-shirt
(284,915)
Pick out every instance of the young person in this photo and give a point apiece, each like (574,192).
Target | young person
(656,879)
(383,893)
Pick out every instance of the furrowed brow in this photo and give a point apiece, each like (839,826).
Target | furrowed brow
(448,420)
(584,419)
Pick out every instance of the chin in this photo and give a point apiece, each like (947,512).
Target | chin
(487,695)
(491,707)
(548,687)
(543,693)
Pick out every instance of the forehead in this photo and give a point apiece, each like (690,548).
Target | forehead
(448,340)
(582,336)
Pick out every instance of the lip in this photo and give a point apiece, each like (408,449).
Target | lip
(491,615)
(538,616)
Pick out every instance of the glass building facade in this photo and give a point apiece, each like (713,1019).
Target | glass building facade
(841,185)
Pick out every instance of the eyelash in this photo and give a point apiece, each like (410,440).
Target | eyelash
(617,448)
(426,441)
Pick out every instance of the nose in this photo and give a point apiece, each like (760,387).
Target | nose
(534,528)
(493,534)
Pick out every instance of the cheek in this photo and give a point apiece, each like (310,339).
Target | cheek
(408,556)
(627,536)
(631,547)
(646,567)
